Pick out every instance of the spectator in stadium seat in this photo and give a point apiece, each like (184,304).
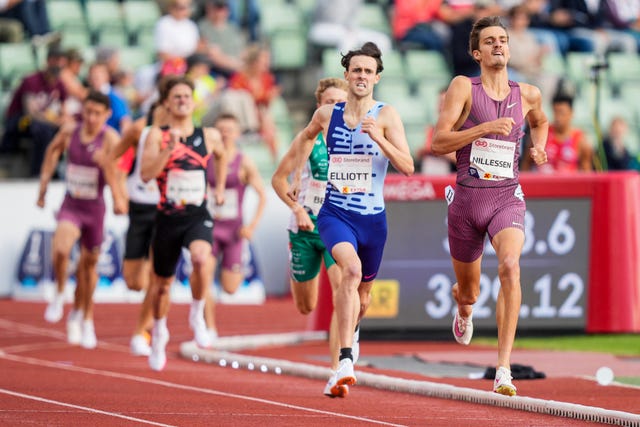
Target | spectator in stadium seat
(568,149)
(98,79)
(175,34)
(37,110)
(222,39)
(11,28)
(334,25)
(417,22)
(256,78)
(615,149)
(34,18)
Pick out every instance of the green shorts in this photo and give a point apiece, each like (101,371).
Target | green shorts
(306,250)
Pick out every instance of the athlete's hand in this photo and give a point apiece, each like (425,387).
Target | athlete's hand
(40,201)
(246,232)
(539,156)
(502,126)
(120,206)
(303,220)
(174,137)
(370,127)
(219,196)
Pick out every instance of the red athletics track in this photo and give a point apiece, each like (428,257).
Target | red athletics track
(44,381)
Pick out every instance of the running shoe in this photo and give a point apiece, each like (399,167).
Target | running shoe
(213,335)
(344,376)
(355,345)
(74,327)
(139,345)
(333,390)
(158,355)
(200,331)
(462,328)
(55,309)
(89,339)
(502,383)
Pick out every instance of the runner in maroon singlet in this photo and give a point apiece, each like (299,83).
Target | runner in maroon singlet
(482,120)
(81,216)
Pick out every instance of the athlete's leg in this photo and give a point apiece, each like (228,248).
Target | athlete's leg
(145,318)
(508,245)
(200,280)
(136,273)
(466,290)
(333,272)
(64,238)
(210,302)
(347,301)
(87,276)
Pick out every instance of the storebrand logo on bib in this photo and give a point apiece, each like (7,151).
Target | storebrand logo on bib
(481,143)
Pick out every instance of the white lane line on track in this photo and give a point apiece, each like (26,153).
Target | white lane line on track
(110,374)
(82,408)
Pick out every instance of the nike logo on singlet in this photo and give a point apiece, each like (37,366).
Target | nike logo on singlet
(511,105)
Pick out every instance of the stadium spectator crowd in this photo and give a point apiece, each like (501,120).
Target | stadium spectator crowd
(228,48)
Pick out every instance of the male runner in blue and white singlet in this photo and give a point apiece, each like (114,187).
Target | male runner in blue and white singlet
(363,136)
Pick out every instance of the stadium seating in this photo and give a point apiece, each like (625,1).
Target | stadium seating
(139,16)
(16,60)
(104,16)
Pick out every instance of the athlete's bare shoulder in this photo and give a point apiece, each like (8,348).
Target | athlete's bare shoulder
(531,97)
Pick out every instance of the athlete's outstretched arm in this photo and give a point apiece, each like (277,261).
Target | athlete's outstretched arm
(54,150)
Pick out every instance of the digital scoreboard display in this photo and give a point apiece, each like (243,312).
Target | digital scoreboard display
(413,287)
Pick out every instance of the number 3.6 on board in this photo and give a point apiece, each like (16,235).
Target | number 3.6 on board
(560,239)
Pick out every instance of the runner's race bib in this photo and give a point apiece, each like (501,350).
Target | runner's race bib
(314,196)
(186,187)
(82,181)
(492,159)
(230,209)
(351,173)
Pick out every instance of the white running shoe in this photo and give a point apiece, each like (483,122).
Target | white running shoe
(344,375)
(74,327)
(213,335)
(355,345)
(502,383)
(158,355)
(139,345)
(462,328)
(338,391)
(89,339)
(55,309)
(200,331)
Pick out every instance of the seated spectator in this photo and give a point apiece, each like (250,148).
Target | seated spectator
(98,79)
(70,77)
(37,110)
(417,22)
(461,15)
(568,149)
(206,87)
(11,29)
(34,18)
(555,39)
(256,78)
(615,149)
(175,34)
(334,25)
(222,39)
(590,27)
(527,55)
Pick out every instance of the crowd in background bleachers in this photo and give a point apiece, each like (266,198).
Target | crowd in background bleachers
(587,49)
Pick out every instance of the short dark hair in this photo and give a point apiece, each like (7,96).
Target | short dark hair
(481,24)
(562,98)
(368,49)
(227,116)
(99,98)
(169,82)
